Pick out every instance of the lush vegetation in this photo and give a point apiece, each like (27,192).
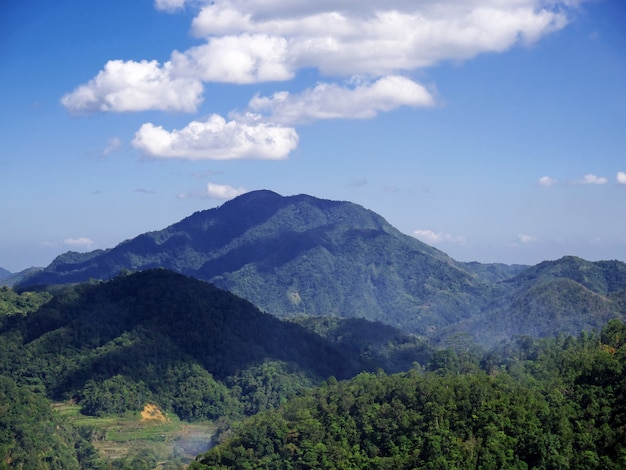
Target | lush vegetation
(33,436)
(192,349)
(548,404)
(199,353)
(27,302)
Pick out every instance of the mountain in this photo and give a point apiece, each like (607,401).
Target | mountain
(298,255)
(11,279)
(566,296)
(192,348)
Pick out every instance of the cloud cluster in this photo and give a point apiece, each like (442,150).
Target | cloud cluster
(588,179)
(333,101)
(526,239)
(217,139)
(371,46)
(434,238)
(546,181)
(215,191)
(135,86)
(80,242)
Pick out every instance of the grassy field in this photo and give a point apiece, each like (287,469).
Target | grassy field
(163,435)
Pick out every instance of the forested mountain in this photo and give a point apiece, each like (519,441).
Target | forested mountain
(11,279)
(4,273)
(299,255)
(552,404)
(565,296)
(191,348)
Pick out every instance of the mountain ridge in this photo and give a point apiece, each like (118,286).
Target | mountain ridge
(295,255)
(301,255)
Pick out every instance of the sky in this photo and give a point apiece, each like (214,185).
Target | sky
(494,130)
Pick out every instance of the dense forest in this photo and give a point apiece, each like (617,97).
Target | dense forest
(533,404)
(306,333)
(315,392)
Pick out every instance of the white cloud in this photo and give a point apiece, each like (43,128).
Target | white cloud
(135,86)
(81,242)
(345,38)
(247,58)
(169,5)
(223,191)
(525,239)
(434,238)
(332,101)
(251,41)
(592,179)
(112,145)
(621,177)
(217,139)
(546,181)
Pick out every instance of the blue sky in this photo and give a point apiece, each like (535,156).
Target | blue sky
(494,130)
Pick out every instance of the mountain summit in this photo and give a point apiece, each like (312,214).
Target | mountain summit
(297,255)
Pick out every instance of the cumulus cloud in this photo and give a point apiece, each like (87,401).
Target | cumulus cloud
(223,191)
(434,238)
(621,177)
(246,58)
(251,41)
(332,101)
(525,239)
(546,181)
(345,38)
(169,5)
(112,145)
(591,179)
(81,242)
(135,86)
(217,139)
(215,191)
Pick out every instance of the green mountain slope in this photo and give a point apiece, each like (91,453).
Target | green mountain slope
(298,255)
(157,336)
(565,296)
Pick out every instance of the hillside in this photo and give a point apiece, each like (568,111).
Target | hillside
(564,296)
(4,273)
(545,405)
(298,255)
(158,336)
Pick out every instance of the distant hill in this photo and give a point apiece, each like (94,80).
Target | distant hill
(567,296)
(11,279)
(194,349)
(298,255)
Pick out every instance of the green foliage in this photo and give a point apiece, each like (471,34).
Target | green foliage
(193,349)
(540,404)
(33,436)
(12,303)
